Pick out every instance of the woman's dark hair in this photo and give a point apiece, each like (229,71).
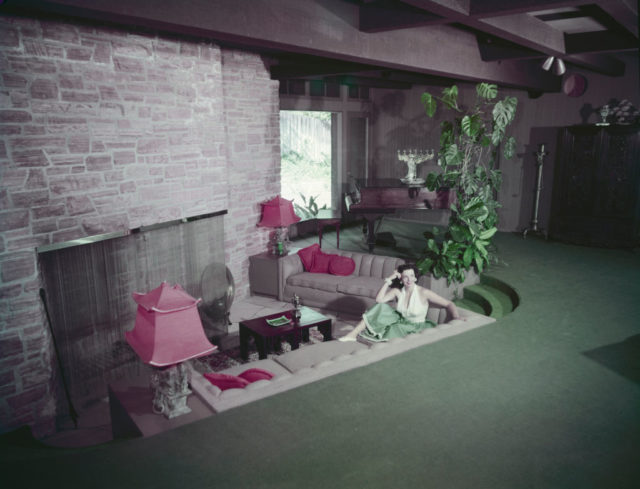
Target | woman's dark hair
(409,266)
(396,282)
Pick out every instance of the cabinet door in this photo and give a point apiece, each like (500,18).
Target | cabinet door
(595,192)
(575,184)
(617,176)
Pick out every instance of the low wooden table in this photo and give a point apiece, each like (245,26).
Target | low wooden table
(266,336)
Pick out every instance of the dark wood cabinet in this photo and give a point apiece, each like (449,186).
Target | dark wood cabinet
(596,186)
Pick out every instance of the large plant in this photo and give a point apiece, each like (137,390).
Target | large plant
(469,146)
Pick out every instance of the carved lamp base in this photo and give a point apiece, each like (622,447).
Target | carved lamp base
(170,390)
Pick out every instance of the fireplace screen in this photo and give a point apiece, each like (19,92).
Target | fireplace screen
(88,293)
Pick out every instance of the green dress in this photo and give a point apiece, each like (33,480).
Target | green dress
(384,322)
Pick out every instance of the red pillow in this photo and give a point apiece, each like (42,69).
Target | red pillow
(224,381)
(341,265)
(321,262)
(306,255)
(254,374)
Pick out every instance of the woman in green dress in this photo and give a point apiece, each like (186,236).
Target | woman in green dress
(383,322)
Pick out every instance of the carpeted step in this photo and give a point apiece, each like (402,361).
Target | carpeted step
(491,297)
(469,305)
(514,297)
(485,294)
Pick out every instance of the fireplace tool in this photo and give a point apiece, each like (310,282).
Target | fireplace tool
(72,411)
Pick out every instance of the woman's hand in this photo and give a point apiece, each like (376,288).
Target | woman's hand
(395,274)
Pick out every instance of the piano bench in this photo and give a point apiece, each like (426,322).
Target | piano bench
(328,218)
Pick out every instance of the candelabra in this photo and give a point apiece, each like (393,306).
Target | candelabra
(413,157)
(540,154)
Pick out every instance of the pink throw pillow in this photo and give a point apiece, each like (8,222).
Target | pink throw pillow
(321,262)
(224,381)
(306,255)
(341,265)
(255,374)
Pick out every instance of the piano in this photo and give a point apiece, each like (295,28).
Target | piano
(375,198)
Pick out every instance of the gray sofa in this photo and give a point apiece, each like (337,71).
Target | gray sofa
(355,293)
(351,294)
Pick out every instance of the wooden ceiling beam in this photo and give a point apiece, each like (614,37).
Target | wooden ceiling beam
(304,69)
(519,28)
(385,16)
(601,41)
(625,13)
(495,8)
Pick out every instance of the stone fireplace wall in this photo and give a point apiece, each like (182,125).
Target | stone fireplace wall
(107,129)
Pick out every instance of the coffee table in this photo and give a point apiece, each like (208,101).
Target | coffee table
(266,336)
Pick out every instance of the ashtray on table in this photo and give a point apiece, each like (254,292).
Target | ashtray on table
(281,321)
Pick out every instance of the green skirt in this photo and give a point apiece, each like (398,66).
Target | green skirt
(384,322)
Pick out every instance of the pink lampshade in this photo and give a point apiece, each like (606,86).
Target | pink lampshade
(168,329)
(278,212)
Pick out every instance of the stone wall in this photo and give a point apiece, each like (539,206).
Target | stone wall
(105,129)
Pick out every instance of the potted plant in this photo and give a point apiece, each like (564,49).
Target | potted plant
(469,145)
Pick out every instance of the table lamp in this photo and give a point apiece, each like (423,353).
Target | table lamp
(278,213)
(168,332)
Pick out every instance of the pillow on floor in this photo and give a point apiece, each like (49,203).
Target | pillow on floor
(254,374)
(306,256)
(321,262)
(224,381)
(341,265)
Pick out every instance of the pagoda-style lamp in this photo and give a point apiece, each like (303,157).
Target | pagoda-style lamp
(278,213)
(168,332)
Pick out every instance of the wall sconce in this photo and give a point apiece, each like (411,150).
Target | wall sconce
(559,67)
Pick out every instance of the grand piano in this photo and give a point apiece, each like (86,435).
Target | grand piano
(374,198)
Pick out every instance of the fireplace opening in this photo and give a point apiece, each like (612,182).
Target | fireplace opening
(88,287)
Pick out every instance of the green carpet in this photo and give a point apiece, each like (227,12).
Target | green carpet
(546,397)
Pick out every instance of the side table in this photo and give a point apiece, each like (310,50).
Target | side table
(263,274)
(132,415)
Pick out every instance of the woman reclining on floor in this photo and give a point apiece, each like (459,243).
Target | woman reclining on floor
(382,322)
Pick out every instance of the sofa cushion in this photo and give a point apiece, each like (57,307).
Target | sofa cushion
(362,286)
(320,262)
(318,281)
(341,265)
(255,374)
(224,381)
(308,356)
(306,255)
(267,364)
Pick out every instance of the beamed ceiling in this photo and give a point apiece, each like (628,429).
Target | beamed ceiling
(393,43)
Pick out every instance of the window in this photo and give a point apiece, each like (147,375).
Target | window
(306,150)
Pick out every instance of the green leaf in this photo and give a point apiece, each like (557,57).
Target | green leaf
(450,97)
(432,245)
(433,181)
(450,178)
(487,233)
(452,155)
(504,112)
(497,135)
(467,257)
(481,248)
(429,103)
(458,233)
(509,147)
(479,263)
(478,211)
(487,90)
(466,125)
